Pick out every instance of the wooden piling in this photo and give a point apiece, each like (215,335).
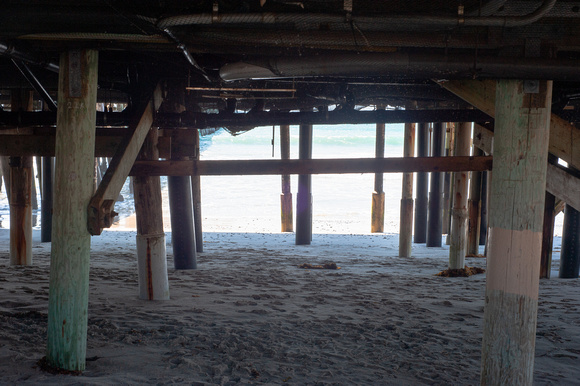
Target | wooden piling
(21,175)
(447,201)
(196,196)
(182,220)
(422,199)
(47,200)
(406,218)
(483,211)
(151,253)
(516,212)
(378,201)
(570,254)
(286,195)
(71,241)
(547,236)
(458,235)
(5,165)
(474,207)
(434,220)
(304,196)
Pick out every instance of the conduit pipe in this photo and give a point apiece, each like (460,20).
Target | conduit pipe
(383,20)
(399,64)
(35,83)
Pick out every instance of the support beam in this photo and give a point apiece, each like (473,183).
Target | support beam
(378,201)
(458,239)
(100,210)
(196,196)
(406,217)
(21,175)
(151,253)
(547,236)
(474,209)
(310,166)
(422,197)
(447,177)
(570,254)
(5,165)
(47,200)
(564,137)
(286,195)
(516,213)
(434,220)
(484,205)
(304,196)
(71,242)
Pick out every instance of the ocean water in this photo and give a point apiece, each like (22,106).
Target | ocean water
(341,202)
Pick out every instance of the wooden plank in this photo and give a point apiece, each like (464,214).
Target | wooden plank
(564,139)
(311,166)
(71,243)
(101,206)
(516,221)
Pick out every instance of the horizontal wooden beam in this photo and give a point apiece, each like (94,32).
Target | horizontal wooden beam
(313,166)
(43,145)
(260,118)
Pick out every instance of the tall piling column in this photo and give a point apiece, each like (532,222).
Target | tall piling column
(406,218)
(304,196)
(21,175)
(71,240)
(422,197)
(458,235)
(474,207)
(484,205)
(151,253)
(182,221)
(434,220)
(570,254)
(378,204)
(196,195)
(46,200)
(286,195)
(547,236)
(447,179)
(516,209)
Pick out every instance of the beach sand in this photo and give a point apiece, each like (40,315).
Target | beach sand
(249,315)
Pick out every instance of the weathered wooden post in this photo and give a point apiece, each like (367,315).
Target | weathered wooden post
(21,172)
(422,197)
(434,221)
(286,195)
(570,254)
(378,203)
(406,219)
(47,199)
(516,212)
(71,241)
(5,165)
(196,195)
(474,207)
(304,196)
(447,201)
(458,239)
(151,253)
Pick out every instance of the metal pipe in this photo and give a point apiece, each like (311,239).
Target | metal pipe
(14,53)
(312,21)
(35,83)
(434,221)
(401,64)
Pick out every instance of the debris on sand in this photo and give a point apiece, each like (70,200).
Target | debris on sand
(463,272)
(323,266)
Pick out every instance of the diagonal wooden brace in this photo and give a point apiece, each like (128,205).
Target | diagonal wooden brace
(100,208)
(564,138)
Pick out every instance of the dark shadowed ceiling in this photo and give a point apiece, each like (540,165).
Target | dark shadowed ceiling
(288,54)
